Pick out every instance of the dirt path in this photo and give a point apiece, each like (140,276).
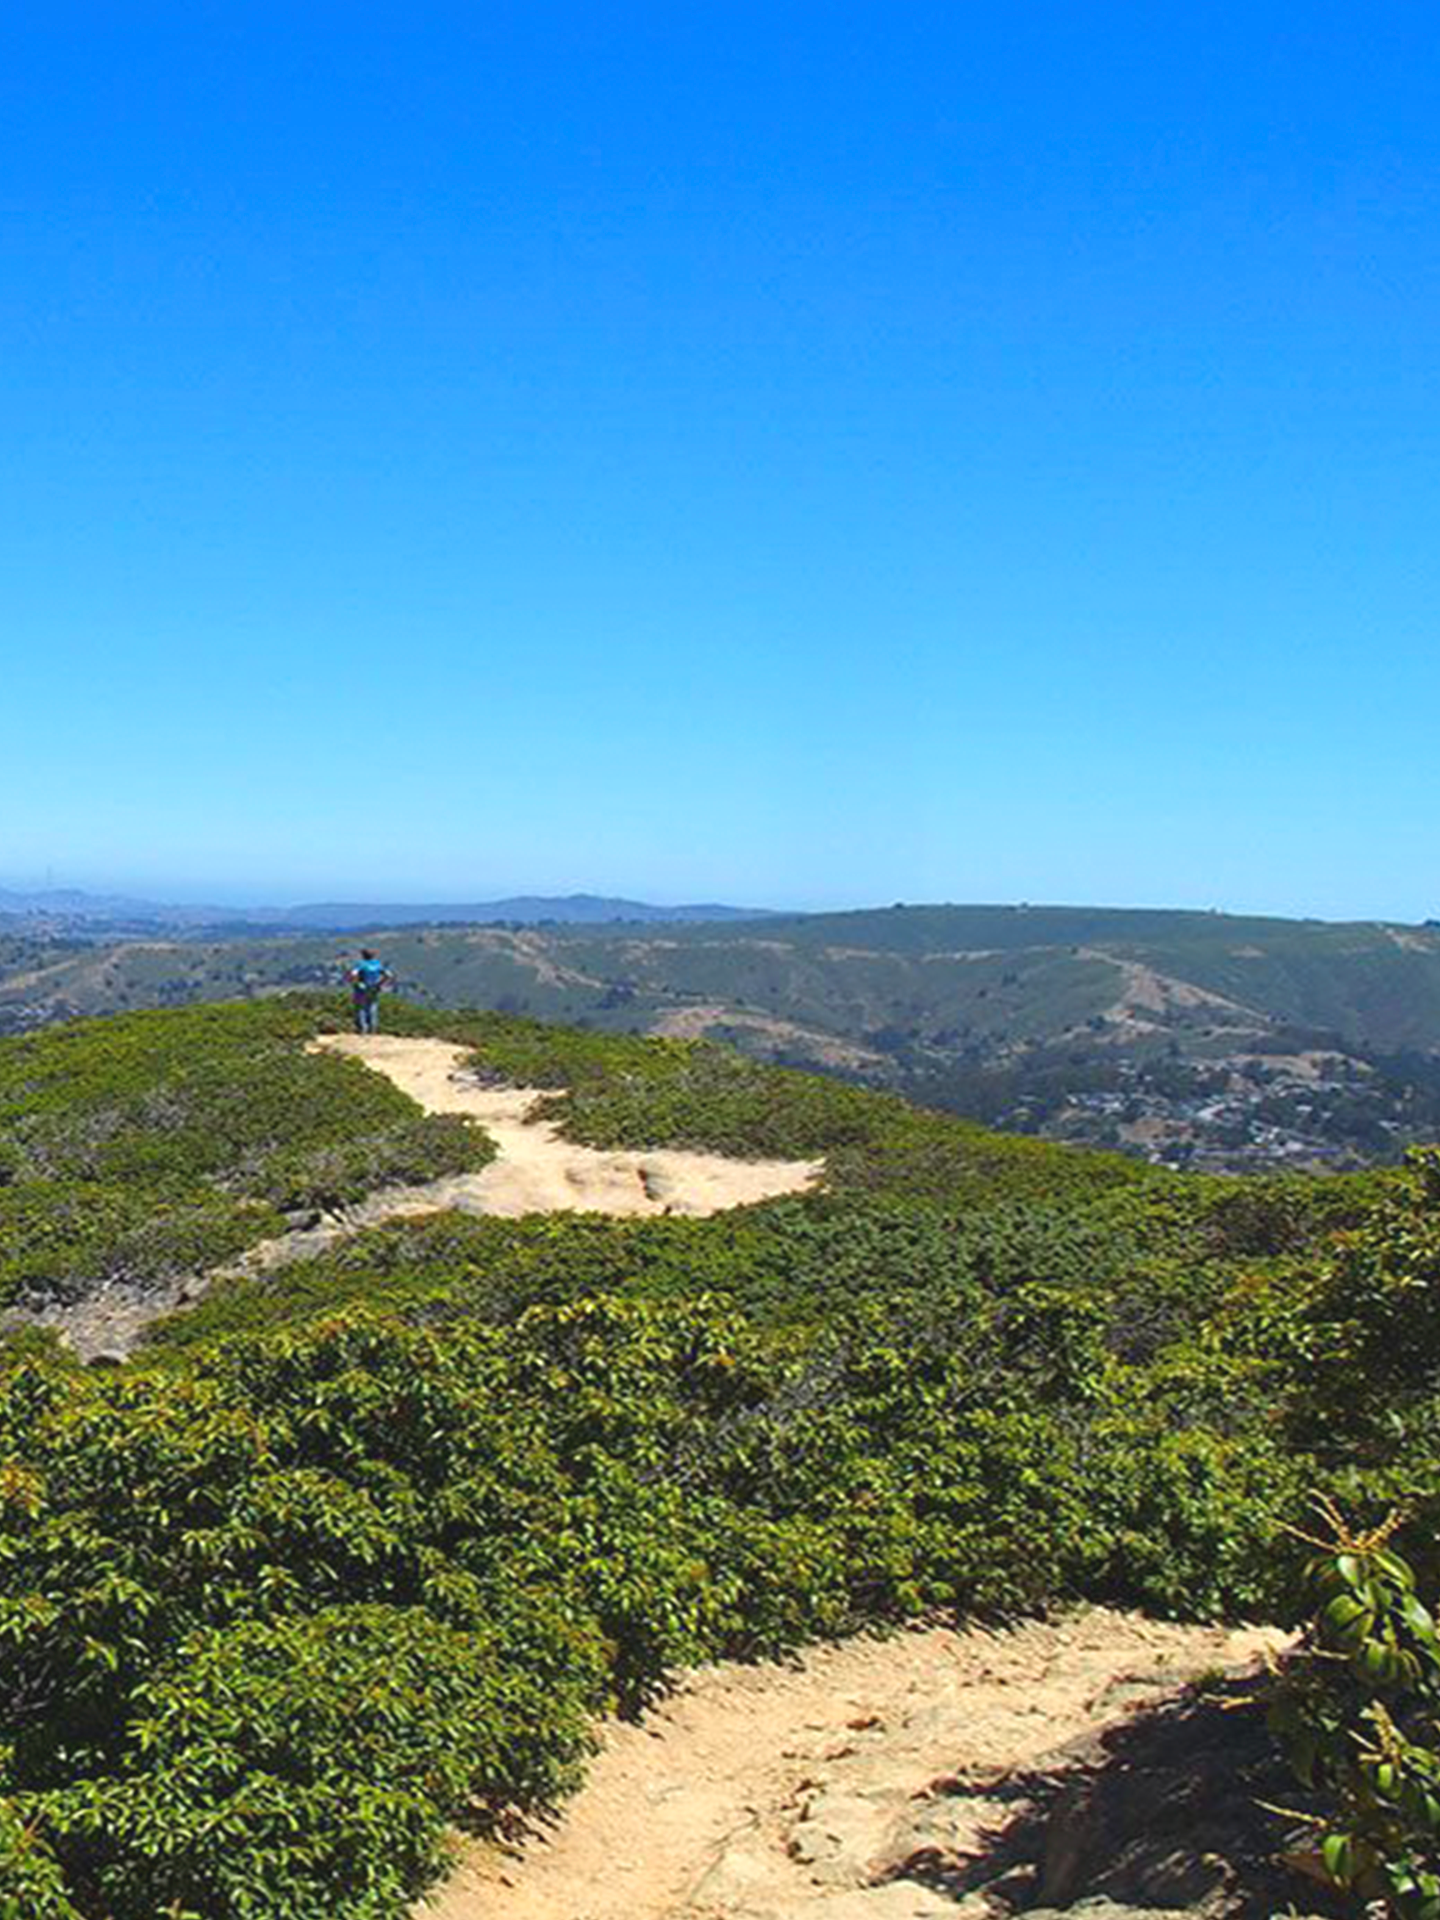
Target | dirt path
(539,1172)
(829,1789)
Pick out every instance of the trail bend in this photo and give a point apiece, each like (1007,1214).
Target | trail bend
(536,1169)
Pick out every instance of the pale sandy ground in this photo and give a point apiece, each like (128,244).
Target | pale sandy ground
(539,1172)
(765,1792)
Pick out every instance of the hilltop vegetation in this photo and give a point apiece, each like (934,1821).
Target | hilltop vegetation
(346,1554)
(155,1142)
(137,1146)
(1216,1040)
(620,1091)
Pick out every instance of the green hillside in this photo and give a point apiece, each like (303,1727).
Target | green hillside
(1195,1039)
(845,974)
(150,1143)
(361,1548)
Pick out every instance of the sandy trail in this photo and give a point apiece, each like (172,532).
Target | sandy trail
(536,1170)
(764,1792)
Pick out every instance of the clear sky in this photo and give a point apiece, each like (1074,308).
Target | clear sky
(805,454)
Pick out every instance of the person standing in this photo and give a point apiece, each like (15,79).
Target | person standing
(368,977)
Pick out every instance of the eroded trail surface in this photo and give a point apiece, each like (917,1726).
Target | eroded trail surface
(539,1172)
(866,1783)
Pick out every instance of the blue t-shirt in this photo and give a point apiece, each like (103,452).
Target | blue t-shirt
(368,976)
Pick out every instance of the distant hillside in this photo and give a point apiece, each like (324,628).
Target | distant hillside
(1202,1039)
(585,909)
(69,907)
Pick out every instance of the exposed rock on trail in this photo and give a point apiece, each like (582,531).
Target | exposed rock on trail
(870,1781)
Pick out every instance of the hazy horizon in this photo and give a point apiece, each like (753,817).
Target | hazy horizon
(189,896)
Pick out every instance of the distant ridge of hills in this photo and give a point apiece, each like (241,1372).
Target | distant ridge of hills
(572,909)
(71,905)
(1216,1041)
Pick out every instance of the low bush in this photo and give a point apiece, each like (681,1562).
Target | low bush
(293,1766)
(156,1143)
(337,1175)
(623,1092)
(320,1590)
(32,1881)
(1359,1716)
(60,1240)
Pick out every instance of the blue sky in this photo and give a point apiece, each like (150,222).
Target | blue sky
(800,454)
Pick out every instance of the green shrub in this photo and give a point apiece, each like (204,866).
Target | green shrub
(60,1240)
(300,1765)
(531,1515)
(1359,1716)
(343,1172)
(692,1093)
(32,1882)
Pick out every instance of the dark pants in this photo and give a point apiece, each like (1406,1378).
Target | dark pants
(367,1012)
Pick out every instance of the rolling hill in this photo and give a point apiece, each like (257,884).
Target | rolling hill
(1194,1038)
(144,1148)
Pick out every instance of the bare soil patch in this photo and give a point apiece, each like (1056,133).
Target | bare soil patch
(693,1023)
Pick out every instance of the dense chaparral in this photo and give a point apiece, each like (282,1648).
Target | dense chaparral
(361,1548)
